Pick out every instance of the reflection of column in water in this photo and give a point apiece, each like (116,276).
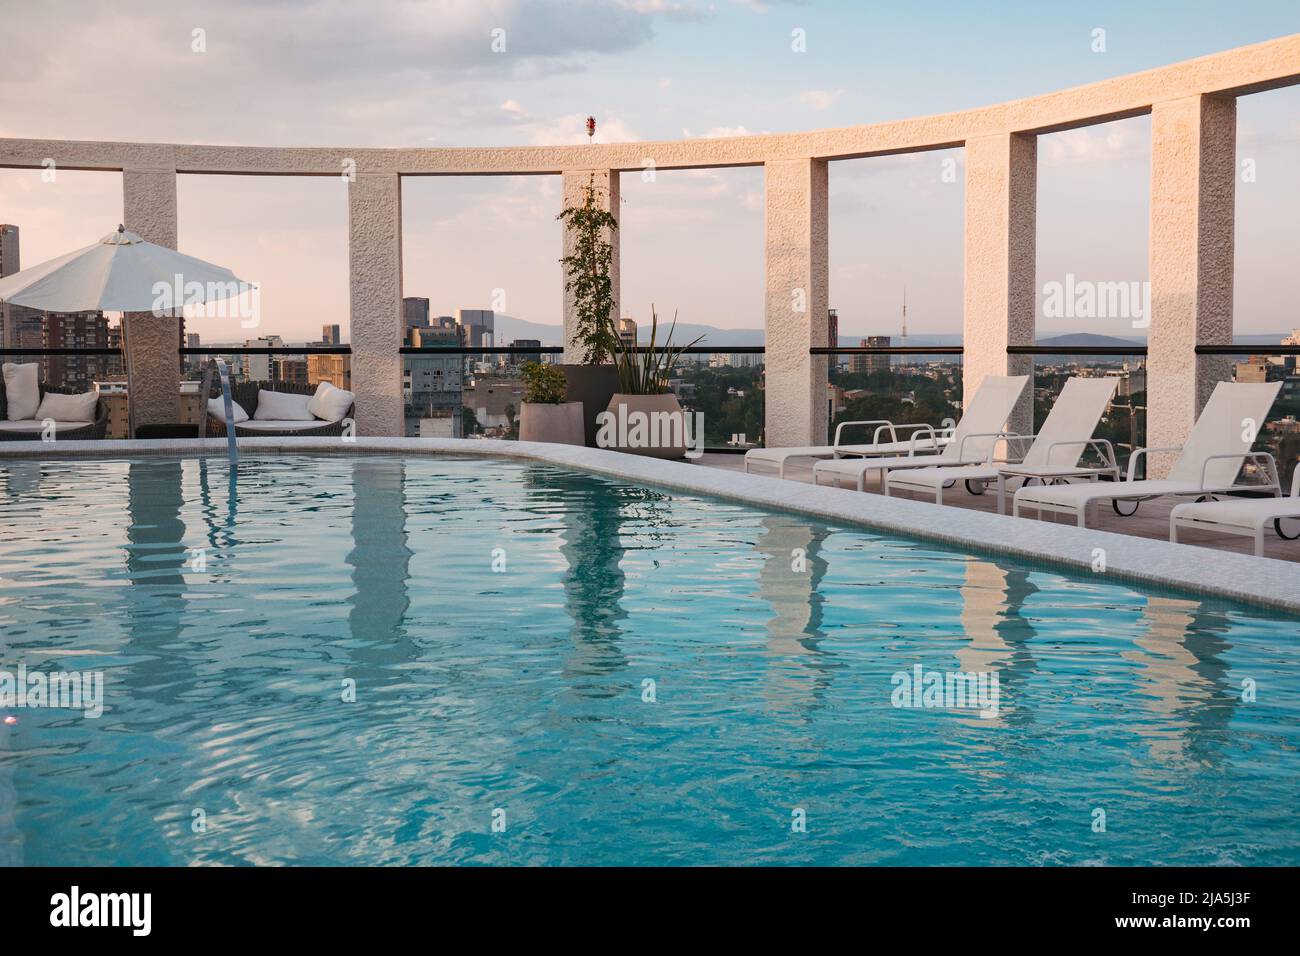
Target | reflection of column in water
(22,476)
(155,560)
(993,599)
(1182,672)
(11,838)
(381,564)
(592,544)
(800,675)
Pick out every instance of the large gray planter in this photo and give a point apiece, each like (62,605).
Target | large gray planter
(651,425)
(558,424)
(593,385)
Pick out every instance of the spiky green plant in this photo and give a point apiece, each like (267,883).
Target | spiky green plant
(646,372)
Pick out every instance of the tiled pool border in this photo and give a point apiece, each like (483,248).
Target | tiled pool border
(1265,582)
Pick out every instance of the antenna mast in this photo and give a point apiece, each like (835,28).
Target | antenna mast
(904,315)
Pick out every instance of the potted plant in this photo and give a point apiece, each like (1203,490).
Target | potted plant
(644,416)
(587,281)
(544,414)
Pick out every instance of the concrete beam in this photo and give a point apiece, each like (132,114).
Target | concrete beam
(1001,208)
(1193,182)
(797,277)
(1247,69)
(152,362)
(375,296)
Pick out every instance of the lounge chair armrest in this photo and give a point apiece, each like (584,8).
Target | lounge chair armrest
(1270,466)
(882,422)
(1295,483)
(961,449)
(1021,451)
(923,429)
(1139,452)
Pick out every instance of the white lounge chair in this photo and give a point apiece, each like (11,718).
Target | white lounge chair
(973,441)
(1207,464)
(1054,455)
(1248,516)
(778,457)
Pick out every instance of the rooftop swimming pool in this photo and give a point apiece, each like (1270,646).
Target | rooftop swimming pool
(381,660)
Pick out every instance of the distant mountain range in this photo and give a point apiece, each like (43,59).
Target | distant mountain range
(509,328)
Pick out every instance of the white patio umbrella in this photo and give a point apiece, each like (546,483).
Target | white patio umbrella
(121,273)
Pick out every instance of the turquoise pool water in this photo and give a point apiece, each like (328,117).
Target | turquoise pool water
(230,629)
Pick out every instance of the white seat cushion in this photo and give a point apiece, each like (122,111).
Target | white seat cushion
(852,467)
(217,409)
(22,393)
(1078,495)
(828,451)
(271,425)
(282,407)
(35,426)
(932,478)
(68,408)
(1239,512)
(330,403)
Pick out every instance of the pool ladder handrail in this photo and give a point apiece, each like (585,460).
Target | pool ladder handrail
(220,365)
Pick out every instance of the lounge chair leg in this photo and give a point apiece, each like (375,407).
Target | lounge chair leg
(1002,494)
(862,482)
(1259,541)
(1083,517)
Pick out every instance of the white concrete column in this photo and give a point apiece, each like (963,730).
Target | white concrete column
(576,182)
(152,361)
(375,293)
(1193,177)
(797,276)
(1001,209)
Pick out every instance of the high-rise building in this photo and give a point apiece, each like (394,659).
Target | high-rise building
(431,383)
(74,330)
(9,260)
(877,363)
(1289,361)
(331,335)
(871,363)
(258,368)
(114,366)
(415,312)
(627,331)
(520,358)
(20,327)
(832,331)
(290,369)
(335,369)
(479,326)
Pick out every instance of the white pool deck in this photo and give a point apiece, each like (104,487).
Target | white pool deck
(1129,558)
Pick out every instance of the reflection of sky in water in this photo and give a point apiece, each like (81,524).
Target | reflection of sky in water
(770,638)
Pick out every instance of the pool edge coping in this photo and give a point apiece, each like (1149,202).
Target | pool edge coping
(1261,582)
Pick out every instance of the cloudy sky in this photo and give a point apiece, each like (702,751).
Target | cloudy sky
(412,73)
